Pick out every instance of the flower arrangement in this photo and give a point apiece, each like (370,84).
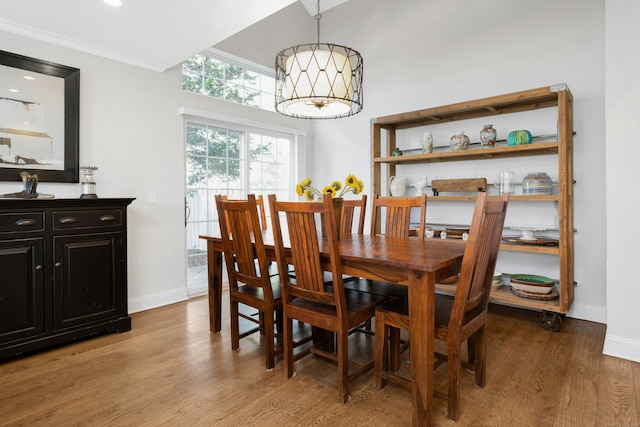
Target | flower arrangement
(351,185)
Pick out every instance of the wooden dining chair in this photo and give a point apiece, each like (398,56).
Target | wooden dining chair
(308,298)
(457,319)
(248,270)
(384,289)
(398,214)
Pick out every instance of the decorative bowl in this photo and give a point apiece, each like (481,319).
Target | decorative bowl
(532,280)
(532,288)
(532,283)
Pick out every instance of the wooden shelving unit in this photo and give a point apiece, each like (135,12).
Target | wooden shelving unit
(557,96)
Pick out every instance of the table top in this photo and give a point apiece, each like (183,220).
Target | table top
(411,253)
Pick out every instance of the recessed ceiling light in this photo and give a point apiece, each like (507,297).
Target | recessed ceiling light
(28,77)
(114,3)
(14,90)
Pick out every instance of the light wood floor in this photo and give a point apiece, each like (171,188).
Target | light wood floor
(170,371)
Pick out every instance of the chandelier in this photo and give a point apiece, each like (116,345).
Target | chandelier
(318,80)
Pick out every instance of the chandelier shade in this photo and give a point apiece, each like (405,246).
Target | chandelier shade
(318,80)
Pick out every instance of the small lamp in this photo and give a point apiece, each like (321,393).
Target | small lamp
(88,182)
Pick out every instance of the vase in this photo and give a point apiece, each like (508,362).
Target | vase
(396,152)
(488,136)
(537,183)
(337,213)
(427,143)
(519,137)
(459,141)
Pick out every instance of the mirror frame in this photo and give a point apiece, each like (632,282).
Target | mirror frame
(71,77)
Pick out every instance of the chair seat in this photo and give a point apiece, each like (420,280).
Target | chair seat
(400,306)
(258,293)
(359,305)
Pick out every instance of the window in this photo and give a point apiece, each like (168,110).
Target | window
(234,160)
(222,76)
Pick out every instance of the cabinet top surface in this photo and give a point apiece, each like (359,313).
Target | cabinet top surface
(50,203)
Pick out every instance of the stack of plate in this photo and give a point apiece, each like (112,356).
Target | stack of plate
(532,283)
(496,281)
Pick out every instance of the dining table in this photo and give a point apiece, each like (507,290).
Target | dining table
(413,262)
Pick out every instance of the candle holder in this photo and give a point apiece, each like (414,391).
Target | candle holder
(88,182)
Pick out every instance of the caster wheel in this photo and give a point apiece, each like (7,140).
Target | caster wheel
(551,321)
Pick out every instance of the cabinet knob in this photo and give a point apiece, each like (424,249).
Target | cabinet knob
(24,222)
(39,267)
(58,264)
(68,220)
(105,218)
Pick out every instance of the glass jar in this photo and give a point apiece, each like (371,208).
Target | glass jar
(88,182)
(488,136)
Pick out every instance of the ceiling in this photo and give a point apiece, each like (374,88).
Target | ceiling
(152,34)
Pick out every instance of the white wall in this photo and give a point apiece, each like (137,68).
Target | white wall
(131,130)
(421,54)
(623,152)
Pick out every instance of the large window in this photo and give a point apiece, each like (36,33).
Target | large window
(236,161)
(225,77)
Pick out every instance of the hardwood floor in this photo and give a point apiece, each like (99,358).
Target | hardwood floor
(169,370)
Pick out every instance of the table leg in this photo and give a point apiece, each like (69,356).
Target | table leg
(421,321)
(214,279)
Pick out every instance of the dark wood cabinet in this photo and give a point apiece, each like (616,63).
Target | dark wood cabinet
(63,271)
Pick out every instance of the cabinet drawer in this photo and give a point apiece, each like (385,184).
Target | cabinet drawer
(21,222)
(65,220)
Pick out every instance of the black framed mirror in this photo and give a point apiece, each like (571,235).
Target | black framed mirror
(39,119)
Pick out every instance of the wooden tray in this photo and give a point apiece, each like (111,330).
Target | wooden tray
(538,241)
(532,295)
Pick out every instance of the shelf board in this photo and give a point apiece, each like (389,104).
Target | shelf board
(532,99)
(533,149)
(503,295)
(472,198)
(553,250)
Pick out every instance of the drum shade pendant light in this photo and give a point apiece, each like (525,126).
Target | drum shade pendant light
(318,81)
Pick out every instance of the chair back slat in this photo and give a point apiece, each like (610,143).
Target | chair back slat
(306,258)
(349,208)
(242,242)
(480,256)
(398,214)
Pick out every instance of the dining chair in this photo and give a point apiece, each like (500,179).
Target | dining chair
(398,214)
(458,318)
(384,289)
(308,298)
(248,270)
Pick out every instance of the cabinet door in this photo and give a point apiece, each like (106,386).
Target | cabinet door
(21,289)
(89,280)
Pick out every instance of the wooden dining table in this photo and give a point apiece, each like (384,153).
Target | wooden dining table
(413,262)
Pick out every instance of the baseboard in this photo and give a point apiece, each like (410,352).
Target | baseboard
(621,347)
(591,313)
(157,299)
(197,291)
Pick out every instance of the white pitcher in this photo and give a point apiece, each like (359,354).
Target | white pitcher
(398,186)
